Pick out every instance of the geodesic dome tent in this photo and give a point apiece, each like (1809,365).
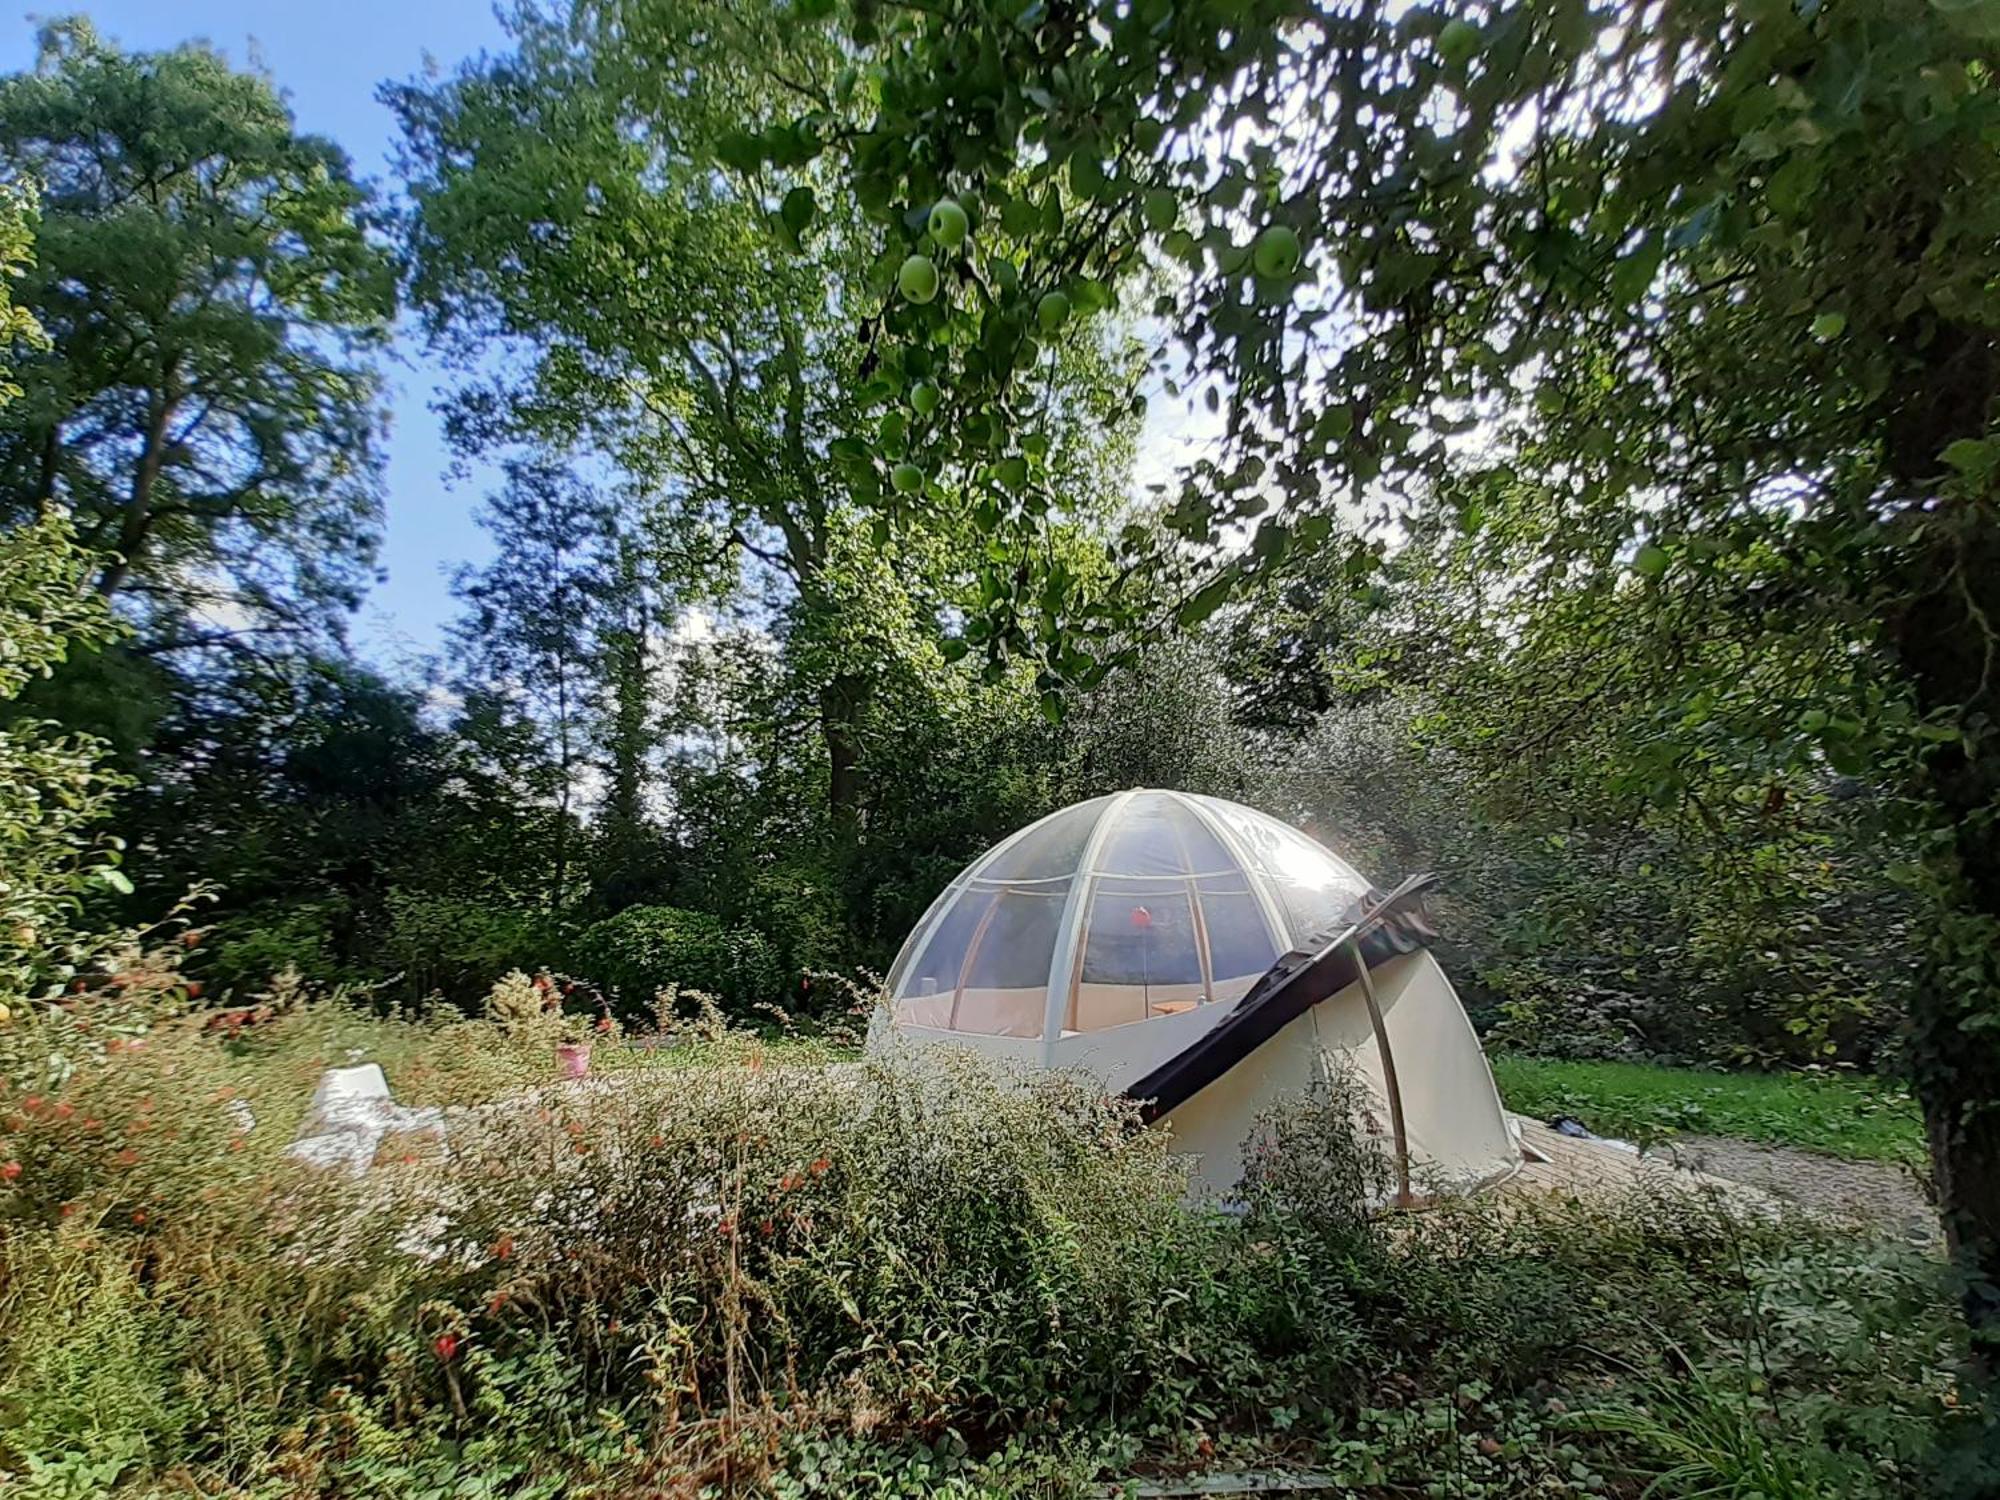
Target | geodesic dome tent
(1190,950)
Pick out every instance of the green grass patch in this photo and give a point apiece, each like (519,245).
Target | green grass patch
(1859,1119)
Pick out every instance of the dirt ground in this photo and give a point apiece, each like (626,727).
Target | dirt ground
(1874,1192)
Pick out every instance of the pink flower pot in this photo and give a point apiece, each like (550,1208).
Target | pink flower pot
(575,1058)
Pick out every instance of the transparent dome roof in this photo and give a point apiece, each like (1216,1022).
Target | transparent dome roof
(1115,911)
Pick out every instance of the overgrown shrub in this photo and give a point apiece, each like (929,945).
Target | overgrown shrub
(721,1265)
(412,945)
(242,953)
(134,983)
(456,946)
(645,949)
(1313,1164)
(1573,932)
(796,905)
(721,1250)
(54,788)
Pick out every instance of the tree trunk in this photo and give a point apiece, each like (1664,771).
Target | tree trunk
(631,689)
(624,802)
(137,521)
(45,484)
(1960,1087)
(567,769)
(1955,1067)
(840,704)
(1954,1031)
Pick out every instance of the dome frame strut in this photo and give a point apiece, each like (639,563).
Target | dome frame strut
(1276,921)
(1068,953)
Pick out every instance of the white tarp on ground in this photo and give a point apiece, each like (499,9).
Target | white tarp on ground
(351,1111)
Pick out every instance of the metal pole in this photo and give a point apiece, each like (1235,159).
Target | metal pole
(1404,1198)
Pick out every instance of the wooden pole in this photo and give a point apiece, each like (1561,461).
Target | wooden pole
(1404,1198)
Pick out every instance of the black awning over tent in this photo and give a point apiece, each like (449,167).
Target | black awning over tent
(1391,925)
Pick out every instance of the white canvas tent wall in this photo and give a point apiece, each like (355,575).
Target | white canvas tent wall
(1115,934)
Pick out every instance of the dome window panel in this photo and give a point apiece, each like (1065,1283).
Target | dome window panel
(1156,833)
(1048,850)
(1142,957)
(1005,982)
(1240,946)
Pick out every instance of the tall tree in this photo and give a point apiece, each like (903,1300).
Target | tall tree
(596,194)
(625,861)
(207,408)
(312,788)
(536,617)
(53,789)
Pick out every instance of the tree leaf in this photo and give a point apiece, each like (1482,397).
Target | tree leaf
(1206,601)
(798,210)
(741,150)
(1633,276)
(1970,455)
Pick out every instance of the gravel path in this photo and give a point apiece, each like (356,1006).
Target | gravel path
(1872,1192)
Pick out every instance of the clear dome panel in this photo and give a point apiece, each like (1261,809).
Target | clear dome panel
(1319,892)
(1158,834)
(1048,850)
(1141,955)
(939,956)
(1241,946)
(899,970)
(985,965)
(1136,938)
(1018,941)
(1316,889)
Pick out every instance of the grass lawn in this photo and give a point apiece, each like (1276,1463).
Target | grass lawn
(1855,1118)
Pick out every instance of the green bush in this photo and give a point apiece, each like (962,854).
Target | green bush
(797,906)
(419,943)
(917,1274)
(103,1379)
(241,954)
(645,949)
(457,946)
(1312,1165)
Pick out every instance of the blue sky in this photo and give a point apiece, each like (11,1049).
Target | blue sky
(328,56)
